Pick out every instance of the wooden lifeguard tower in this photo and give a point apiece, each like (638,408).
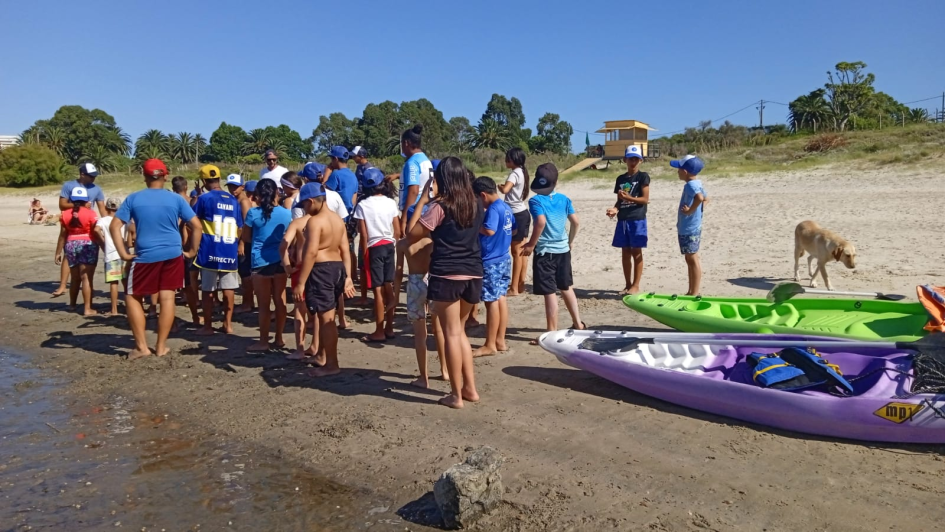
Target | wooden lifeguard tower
(618,134)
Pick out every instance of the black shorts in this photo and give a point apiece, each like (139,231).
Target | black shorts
(245,266)
(269,270)
(523,222)
(551,272)
(324,286)
(380,265)
(449,290)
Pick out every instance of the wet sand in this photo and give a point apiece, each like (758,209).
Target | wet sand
(583,454)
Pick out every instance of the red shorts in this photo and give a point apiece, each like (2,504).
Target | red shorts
(146,278)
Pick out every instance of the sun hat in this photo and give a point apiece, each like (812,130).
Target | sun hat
(339,152)
(88,169)
(633,152)
(372,178)
(79,193)
(234,179)
(312,171)
(209,171)
(546,176)
(154,168)
(311,190)
(689,163)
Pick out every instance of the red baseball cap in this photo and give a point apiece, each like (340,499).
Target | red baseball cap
(154,168)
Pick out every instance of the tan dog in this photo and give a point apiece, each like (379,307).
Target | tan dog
(822,245)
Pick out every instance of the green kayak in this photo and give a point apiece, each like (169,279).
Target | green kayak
(865,319)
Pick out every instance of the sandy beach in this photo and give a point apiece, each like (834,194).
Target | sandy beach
(582,453)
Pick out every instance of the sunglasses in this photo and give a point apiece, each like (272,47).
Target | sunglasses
(271,160)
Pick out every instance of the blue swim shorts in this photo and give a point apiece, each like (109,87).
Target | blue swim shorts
(689,244)
(630,234)
(496,278)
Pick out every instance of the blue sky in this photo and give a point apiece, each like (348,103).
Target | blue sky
(188,65)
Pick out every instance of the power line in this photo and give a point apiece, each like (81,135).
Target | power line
(937,96)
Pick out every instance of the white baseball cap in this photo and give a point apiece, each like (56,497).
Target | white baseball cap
(88,169)
(359,151)
(234,179)
(633,151)
(79,193)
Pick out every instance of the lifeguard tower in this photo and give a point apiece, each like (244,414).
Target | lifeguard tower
(618,134)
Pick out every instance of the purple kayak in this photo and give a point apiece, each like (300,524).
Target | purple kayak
(716,378)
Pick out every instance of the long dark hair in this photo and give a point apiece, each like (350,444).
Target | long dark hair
(76,205)
(266,197)
(516,156)
(413,136)
(454,192)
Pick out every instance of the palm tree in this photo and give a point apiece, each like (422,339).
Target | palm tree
(257,142)
(31,135)
(145,152)
(810,109)
(55,139)
(102,158)
(491,134)
(121,141)
(181,147)
(918,115)
(200,146)
(154,142)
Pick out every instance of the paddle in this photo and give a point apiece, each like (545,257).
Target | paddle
(784,291)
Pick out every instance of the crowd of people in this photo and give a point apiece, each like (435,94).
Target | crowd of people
(307,237)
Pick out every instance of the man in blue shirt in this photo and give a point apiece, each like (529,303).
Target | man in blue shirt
(495,239)
(341,179)
(551,244)
(158,262)
(87,175)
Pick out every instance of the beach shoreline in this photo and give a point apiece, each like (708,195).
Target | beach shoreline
(582,453)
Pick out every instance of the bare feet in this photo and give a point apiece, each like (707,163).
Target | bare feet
(298,354)
(445,376)
(258,347)
(471,396)
(324,371)
(421,383)
(205,331)
(90,312)
(512,293)
(374,338)
(452,401)
(113,314)
(228,329)
(502,348)
(278,345)
(164,352)
(343,324)
(57,293)
(137,353)
(484,351)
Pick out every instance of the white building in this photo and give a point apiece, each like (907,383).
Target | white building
(8,140)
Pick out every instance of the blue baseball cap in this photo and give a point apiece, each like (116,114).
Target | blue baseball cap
(193,193)
(234,179)
(312,171)
(689,163)
(250,186)
(339,152)
(311,190)
(79,193)
(88,169)
(633,152)
(372,177)
(435,162)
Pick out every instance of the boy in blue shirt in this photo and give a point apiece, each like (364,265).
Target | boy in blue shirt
(551,266)
(495,239)
(689,218)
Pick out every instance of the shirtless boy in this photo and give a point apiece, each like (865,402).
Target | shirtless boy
(291,249)
(326,270)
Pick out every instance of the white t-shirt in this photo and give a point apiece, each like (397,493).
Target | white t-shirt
(275,174)
(111,253)
(332,201)
(514,197)
(378,213)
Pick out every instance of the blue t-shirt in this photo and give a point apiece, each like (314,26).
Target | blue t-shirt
(498,218)
(555,207)
(690,224)
(345,184)
(95,193)
(267,234)
(416,172)
(221,217)
(156,213)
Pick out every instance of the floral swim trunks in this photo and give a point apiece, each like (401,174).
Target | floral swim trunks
(689,244)
(81,252)
(417,296)
(496,278)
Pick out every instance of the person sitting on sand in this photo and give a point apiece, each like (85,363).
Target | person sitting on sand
(38,214)
(378,224)
(326,265)
(495,239)
(453,221)
(263,230)
(75,241)
(158,263)
(114,266)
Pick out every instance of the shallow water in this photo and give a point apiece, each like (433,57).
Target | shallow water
(115,465)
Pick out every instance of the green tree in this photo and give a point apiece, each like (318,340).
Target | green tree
(334,130)
(809,110)
(491,134)
(226,143)
(200,146)
(152,144)
(29,166)
(288,143)
(506,112)
(849,91)
(257,141)
(83,129)
(55,139)
(553,135)
(918,115)
(379,129)
(181,147)
(461,134)
(436,130)
(102,158)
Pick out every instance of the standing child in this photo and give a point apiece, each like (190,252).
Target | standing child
(376,214)
(633,193)
(191,274)
(516,192)
(689,218)
(75,242)
(551,266)
(114,266)
(245,266)
(495,239)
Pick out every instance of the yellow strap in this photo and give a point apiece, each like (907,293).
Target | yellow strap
(755,376)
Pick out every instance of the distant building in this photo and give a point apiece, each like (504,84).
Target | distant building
(8,140)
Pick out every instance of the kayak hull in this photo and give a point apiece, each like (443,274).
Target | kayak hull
(863,319)
(716,379)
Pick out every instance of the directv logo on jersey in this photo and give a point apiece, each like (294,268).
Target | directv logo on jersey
(221,260)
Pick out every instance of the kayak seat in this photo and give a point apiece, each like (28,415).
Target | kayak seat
(781,315)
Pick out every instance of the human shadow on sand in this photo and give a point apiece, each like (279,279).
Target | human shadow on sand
(99,343)
(759,283)
(46,287)
(585,382)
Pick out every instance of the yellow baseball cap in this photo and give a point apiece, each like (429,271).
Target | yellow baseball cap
(209,171)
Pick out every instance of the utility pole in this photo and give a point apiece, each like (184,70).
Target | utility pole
(761,115)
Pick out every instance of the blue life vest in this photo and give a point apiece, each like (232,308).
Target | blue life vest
(796,369)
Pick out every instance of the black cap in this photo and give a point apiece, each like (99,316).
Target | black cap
(546,176)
